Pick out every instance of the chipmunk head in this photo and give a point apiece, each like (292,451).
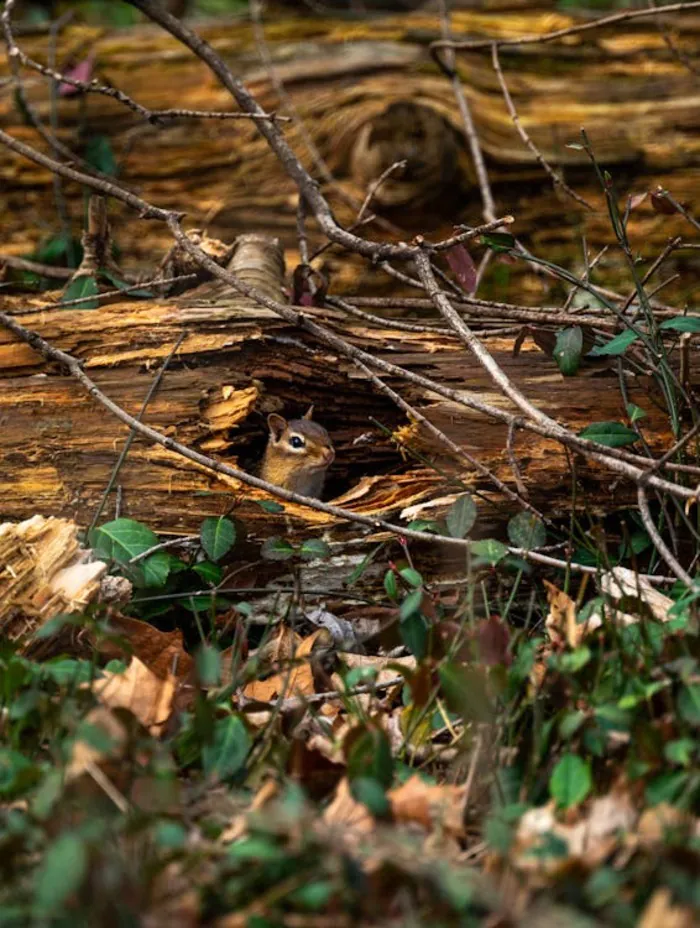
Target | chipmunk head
(299,452)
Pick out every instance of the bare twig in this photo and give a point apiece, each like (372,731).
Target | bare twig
(658,541)
(152,390)
(569,30)
(45,270)
(448,66)
(557,180)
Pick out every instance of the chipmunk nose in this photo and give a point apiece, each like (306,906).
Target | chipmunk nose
(329,456)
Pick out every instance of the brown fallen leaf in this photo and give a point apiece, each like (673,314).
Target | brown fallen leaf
(561,620)
(432,806)
(297,681)
(140,691)
(588,841)
(162,652)
(238,827)
(660,912)
(347,813)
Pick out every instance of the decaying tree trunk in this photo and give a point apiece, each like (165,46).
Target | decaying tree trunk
(236,363)
(638,101)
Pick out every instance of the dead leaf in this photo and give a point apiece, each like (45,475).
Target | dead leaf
(297,680)
(660,912)
(463,267)
(162,652)
(238,827)
(561,620)
(493,637)
(432,806)
(140,691)
(347,813)
(588,841)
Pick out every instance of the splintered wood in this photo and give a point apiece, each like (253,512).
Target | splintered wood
(43,572)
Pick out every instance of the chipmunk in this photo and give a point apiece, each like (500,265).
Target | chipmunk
(298,454)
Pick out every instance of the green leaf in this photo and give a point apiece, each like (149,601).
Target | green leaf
(461,517)
(54,625)
(210,573)
(276,549)
(525,530)
(414,634)
(218,536)
(390,584)
(60,873)
(314,548)
(208,663)
(465,692)
(12,766)
(411,604)
(156,568)
(370,756)
(681,751)
(498,241)
(635,412)
(270,505)
(610,434)
(371,794)
(80,287)
(56,250)
(424,525)
(567,349)
(411,576)
(616,346)
(124,539)
(490,550)
(570,782)
(226,754)
(571,722)
(689,704)
(682,324)
(667,787)
(99,153)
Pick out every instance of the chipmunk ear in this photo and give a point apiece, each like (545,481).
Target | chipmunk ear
(277,425)
(309,412)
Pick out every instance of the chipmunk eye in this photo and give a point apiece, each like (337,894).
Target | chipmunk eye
(296,442)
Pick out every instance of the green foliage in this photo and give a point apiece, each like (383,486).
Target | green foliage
(610,434)
(225,755)
(526,530)
(616,346)
(99,154)
(461,517)
(567,350)
(218,537)
(81,288)
(570,782)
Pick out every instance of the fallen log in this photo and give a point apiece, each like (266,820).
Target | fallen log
(236,362)
(638,101)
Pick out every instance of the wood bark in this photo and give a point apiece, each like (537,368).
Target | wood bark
(639,103)
(237,363)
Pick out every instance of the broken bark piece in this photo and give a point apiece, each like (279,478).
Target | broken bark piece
(44,571)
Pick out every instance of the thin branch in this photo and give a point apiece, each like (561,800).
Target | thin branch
(448,67)
(569,30)
(152,390)
(45,270)
(557,180)
(658,541)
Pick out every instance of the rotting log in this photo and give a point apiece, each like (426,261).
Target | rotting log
(639,103)
(236,363)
